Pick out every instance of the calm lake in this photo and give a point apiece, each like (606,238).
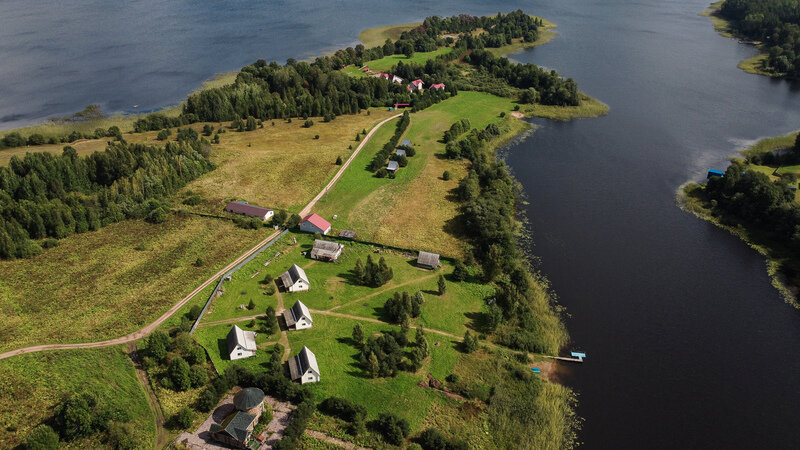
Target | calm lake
(688,343)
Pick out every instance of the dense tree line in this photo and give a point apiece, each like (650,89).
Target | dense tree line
(52,196)
(776,23)
(456,129)
(15,139)
(160,121)
(379,161)
(489,195)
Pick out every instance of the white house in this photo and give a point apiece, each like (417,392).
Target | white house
(303,367)
(416,85)
(295,279)
(241,344)
(397,79)
(298,317)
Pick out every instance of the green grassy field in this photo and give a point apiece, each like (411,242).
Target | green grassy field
(113,281)
(373,37)
(341,376)
(212,337)
(589,107)
(387,62)
(32,385)
(414,209)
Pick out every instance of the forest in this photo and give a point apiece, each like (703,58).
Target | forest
(776,23)
(46,197)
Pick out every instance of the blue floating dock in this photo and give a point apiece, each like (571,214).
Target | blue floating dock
(578,355)
(714,173)
(536,370)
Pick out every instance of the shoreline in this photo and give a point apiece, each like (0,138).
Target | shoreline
(750,65)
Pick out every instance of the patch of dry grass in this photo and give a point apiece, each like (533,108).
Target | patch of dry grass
(113,281)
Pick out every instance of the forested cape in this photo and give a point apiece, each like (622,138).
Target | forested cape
(320,88)
(776,23)
(52,196)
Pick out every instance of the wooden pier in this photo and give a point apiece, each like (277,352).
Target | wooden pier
(565,358)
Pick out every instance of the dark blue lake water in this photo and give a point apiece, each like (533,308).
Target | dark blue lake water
(689,345)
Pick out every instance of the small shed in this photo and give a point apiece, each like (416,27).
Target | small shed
(428,260)
(347,234)
(400,152)
(326,250)
(392,166)
(405,143)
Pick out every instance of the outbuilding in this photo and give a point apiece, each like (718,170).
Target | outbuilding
(313,223)
(428,260)
(298,317)
(392,166)
(304,368)
(326,250)
(241,344)
(400,152)
(249,210)
(295,279)
(405,143)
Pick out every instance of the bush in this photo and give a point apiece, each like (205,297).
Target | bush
(43,437)
(392,428)
(460,272)
(178,373)
(339,161)
(50,243)
(163,135)
(294,221)
(452,378)
(270,289)
(251,305)
(308,123)
(120,436)
(184,418)
(208,400)
(316,136)
(382,173)
(198,376)
(343,409)
(446,175)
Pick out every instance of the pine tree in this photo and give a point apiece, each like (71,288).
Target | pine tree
(470,342)
(358,272)
(358,335)
(373,367)
(442,285)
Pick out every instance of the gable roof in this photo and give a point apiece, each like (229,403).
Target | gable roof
(237,336)
(405,142)
(400,152)
(235,425)
(317,221)
(418,83)
(294,273)
(437,86)
(296,312)
(302,362)
(392,165)
(247,209)
(428,259)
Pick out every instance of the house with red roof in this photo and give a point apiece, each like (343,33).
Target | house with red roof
(416,84)
(437,86)
(313,223)
(385,76)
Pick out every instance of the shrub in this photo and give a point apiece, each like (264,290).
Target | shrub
(339,161)
(343,409)
(208,400)
(43,437)
(460,272)
(198,376)
(382,173)
(392,428)
(271,289)
(184,417)
(178,373)
(50,243)
(316,136)
(308,123)
(251,305)
(446,175)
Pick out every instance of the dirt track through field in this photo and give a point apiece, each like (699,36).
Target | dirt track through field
(139,334)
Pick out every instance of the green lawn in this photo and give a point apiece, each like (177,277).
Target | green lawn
(387,62)
(341,375)
(31,385)
(212,338)
(414,210)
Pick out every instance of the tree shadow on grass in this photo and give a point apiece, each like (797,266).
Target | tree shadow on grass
(222,346)
(478,321)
